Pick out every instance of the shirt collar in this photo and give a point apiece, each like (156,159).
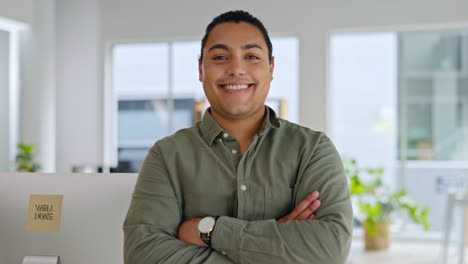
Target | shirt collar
(210,129)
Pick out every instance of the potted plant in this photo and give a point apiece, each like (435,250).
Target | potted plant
(377,204)
(24,158)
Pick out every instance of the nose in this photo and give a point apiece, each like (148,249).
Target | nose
(236,67)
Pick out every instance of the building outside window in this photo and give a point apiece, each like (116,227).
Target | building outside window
(434,95)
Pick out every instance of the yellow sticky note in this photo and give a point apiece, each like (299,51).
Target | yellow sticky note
(44,213)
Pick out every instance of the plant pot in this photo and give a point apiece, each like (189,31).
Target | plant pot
(380,240)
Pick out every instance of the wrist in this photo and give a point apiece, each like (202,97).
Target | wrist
(206,227)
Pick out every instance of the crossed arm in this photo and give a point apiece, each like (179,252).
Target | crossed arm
(152,226)
(188,230)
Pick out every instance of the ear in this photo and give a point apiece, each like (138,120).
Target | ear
(200,70)
(272,66)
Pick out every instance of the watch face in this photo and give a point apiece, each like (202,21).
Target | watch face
(206,224)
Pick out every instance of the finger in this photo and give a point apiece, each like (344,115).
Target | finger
(312,217)
(303,216)
(302,206)
(315,205)
(314,195)
(308,211)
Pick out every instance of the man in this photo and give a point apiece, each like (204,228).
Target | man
(241,186)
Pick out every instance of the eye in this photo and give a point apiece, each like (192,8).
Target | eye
(253,57)
(220,57)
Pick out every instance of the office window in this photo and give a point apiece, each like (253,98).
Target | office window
(363,97)
(399,100)
(434,95)
(410,86)
(158,91)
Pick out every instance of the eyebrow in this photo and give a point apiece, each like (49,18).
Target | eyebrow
(251,46)
(225,47)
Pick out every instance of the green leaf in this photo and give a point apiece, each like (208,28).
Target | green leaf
(375,200)
(24,158)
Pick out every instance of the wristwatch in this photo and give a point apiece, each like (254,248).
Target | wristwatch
(205,227)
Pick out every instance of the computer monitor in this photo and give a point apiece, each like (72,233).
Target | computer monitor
(93,211)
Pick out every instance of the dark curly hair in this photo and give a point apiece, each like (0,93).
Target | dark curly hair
(237,17)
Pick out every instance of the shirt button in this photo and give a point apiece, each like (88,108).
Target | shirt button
(220,140)
(234,151)
(225,135)
(222,252)
(243,187)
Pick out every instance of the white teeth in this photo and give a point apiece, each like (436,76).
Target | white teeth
(236,87)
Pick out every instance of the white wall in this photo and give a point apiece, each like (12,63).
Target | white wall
(4,100)
(19,10)
(79,99)
(84,28)
(37,106)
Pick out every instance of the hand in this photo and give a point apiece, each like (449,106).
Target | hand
(188,232)
(304,210)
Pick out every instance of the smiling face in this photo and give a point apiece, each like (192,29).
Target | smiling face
(236,71)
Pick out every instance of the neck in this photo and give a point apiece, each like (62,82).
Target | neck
(243,129)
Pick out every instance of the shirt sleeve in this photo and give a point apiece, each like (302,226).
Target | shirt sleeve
(326,239)
(150,228)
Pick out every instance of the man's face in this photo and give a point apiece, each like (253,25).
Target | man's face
(235,70)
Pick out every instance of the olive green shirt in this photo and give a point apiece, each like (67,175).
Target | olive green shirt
(200,172)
